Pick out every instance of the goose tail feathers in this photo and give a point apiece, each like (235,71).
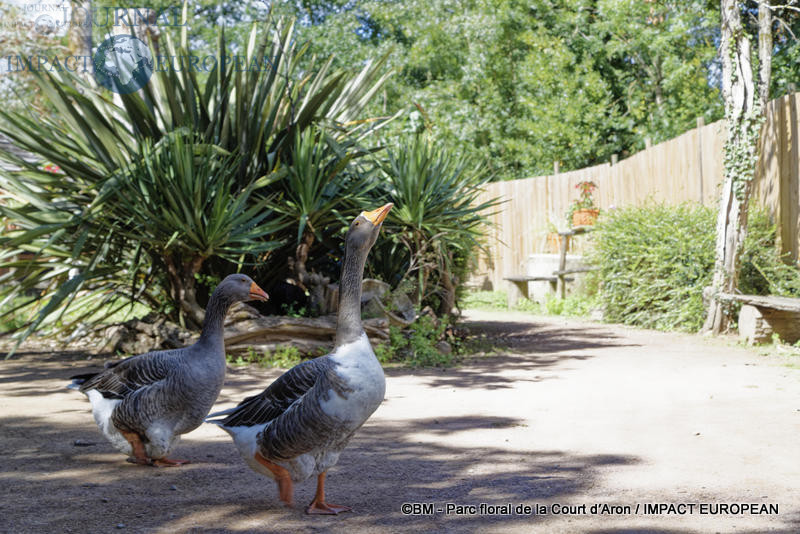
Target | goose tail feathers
(79,380)
(217,418)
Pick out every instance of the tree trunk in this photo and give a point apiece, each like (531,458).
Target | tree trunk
(448,293)
(183,290)
(744,115)
(317,286)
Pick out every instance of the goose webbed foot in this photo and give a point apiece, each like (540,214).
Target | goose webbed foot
(282,477)
(319,506)
(137,461)
(140,457)
(166,462)
(326,508)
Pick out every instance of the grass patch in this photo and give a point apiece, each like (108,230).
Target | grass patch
(578,305)
(283,357)
(484,300)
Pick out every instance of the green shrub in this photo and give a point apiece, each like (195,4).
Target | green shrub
(654,262)
(764,271)
(416,346)
(285,357)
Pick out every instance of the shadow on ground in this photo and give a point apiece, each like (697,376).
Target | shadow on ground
(57,474)
(516,347)
(90,488)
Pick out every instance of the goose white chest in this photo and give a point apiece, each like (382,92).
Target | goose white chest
(363,381)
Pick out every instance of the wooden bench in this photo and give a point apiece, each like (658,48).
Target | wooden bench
(762,316)
(519,286)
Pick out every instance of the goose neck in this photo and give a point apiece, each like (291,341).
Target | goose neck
(214,322)
(349,327)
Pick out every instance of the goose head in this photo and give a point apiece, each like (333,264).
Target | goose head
(241,287)
(364,229)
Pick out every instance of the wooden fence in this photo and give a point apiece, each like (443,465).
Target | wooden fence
(687,168)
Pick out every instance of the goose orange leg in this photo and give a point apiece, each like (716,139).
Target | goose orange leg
(319,506)
(140,456)
(285,487)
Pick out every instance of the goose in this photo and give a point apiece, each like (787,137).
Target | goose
(143,404)
(299,425)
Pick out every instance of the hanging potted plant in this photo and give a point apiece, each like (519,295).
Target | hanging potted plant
(583,212)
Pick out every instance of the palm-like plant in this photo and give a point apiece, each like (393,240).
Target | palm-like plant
(119,153)
(320,189)
(182,204)
(437,217)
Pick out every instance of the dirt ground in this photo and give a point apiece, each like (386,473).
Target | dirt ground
(572,417)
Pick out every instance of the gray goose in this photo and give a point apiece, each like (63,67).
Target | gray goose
(143,404)
(300,424)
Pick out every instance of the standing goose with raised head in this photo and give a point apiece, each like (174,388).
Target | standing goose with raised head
(143,404)
(299,425)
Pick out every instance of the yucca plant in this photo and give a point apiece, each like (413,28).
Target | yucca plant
(321,187)
(182,204)
(438,222)
(111,151)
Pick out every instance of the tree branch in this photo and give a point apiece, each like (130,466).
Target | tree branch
(766,4)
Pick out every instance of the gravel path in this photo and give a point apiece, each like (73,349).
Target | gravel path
(574,420)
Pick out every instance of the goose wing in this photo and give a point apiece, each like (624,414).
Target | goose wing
(278,397)
(121,379)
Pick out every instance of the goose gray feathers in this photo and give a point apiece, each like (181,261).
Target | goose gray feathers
(143,404)
(299,425)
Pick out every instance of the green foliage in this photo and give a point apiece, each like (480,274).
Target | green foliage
(238,361)
(764,271)
(578,305)
(290,311)
(484,300)
(661,58)
(319,184)
(183,198)
(12,321)
(521,84)
(654,262)
(571,305)
(192,166)
(284,357)
(437,223)
(416,346)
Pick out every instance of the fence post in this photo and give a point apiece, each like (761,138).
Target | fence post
(647,143)
(556,166)
(700,123)
(614,159)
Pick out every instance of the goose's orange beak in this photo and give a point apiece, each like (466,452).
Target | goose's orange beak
(256,293)
(377,216)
